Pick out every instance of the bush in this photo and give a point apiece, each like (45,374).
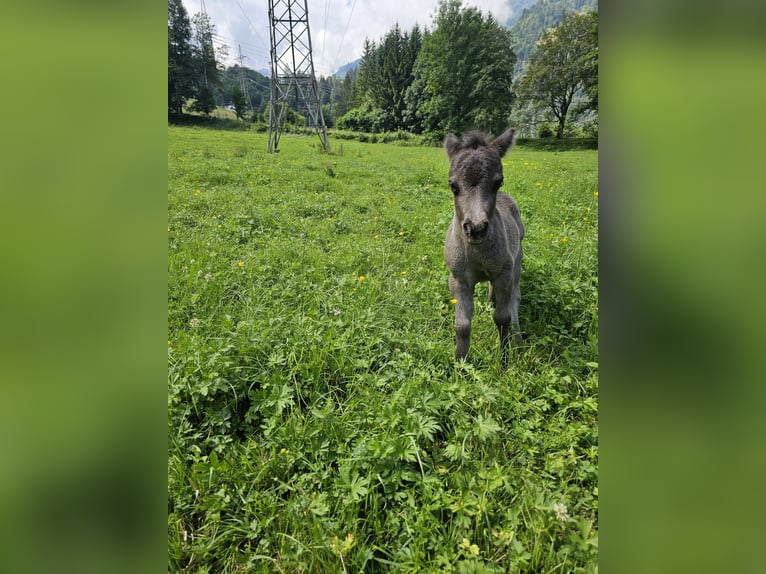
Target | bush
(398,135)
(545,131)
(365,120)
(434,138)
(590,129)
(554,144)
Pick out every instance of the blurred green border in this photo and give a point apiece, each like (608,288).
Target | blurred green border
(83,289)
(681,211)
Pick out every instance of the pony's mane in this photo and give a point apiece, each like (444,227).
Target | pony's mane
(474,140)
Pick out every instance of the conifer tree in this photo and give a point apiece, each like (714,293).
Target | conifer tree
(180,58)
(209,78)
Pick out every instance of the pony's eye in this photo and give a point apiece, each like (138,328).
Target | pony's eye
(453,186)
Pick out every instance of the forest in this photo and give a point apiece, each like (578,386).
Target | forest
(465,71)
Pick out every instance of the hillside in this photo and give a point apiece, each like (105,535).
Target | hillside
(258,86)
(539,17)
(345,69)
(518,7)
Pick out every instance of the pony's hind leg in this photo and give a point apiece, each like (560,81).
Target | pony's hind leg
(515,301)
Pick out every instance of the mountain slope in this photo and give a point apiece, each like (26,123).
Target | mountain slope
(539,17)
(518,7)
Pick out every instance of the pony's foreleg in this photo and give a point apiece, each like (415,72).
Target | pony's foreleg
(505,315)
(463,293)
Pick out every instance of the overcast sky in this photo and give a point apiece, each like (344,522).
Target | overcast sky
(338,27)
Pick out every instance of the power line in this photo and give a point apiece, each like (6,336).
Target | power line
(254,47)
(249,22)
(259,52)
(324,29)
(346,29)
(253,52)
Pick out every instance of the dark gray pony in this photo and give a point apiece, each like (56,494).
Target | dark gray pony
(484,239)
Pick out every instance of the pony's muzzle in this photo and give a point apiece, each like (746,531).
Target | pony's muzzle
(475,231)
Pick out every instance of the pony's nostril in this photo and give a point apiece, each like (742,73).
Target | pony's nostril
(475,230)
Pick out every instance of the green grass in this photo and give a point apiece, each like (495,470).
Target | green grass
(317,422)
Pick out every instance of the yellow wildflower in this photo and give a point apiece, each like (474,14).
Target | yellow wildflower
(503,536)
(361,278)
(468,547)
(240,263)
(453,301)
(595,193)
(342,547)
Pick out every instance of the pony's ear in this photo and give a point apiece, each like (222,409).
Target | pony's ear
(451,144)
(502,142)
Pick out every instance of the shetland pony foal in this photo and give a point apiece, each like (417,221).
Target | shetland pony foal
(484,239)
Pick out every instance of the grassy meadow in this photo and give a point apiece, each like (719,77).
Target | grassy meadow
(317,421)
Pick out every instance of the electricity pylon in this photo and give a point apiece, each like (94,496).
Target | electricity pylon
(292,68)
(242,82)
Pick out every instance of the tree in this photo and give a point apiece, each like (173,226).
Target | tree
(590,69)
(383,77)
(539,17)
(209,76)
(343,98)
(240,101)
(564,62)
(397,55)
(180,59)
(414,116)
(464,72)
(366,75)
